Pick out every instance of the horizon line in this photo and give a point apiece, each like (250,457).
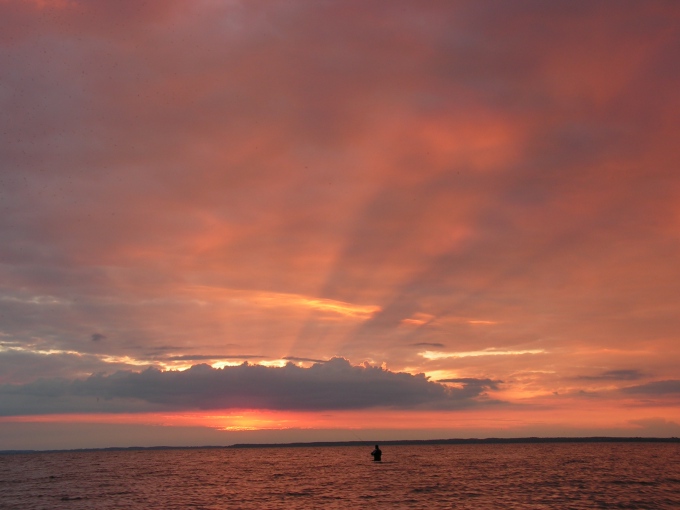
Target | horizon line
(393,442)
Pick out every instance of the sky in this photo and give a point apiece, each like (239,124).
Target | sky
(260,221)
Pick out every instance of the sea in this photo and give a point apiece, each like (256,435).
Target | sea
(467,476)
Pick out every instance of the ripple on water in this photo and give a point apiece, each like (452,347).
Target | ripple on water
(514,476)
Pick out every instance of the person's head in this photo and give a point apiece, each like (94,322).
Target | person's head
(376,447)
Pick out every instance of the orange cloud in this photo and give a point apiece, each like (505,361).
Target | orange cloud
(466,191)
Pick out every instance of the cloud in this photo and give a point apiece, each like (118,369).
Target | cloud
(470,181)
(296,358)
(197,357)
(473,383)
(98,337)
(435,355)
(335,384)
(660,427)
(23,367)
(668,387)
(615,375)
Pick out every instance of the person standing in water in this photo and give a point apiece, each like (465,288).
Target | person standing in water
(377,454)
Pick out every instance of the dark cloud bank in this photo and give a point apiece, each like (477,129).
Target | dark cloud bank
(335,384)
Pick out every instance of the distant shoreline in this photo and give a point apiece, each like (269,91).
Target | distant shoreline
(403,442)
(490,440)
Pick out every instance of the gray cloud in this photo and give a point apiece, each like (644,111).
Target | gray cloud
(615,375)
(296,358)
(22,367)
(335,384)
(668,387)
(474,385)
(198,357)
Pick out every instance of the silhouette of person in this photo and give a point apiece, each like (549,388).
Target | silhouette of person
(377,454)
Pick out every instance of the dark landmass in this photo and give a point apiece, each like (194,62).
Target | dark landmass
(490,440)
(404,442)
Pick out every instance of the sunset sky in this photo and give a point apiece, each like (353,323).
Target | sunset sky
(272,221)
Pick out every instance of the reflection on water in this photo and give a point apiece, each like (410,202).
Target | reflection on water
(517,476)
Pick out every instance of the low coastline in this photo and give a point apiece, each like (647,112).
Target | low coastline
(404,442)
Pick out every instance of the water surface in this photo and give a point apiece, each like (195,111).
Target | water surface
(513,476)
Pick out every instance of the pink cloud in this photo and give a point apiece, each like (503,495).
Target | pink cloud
(190,178)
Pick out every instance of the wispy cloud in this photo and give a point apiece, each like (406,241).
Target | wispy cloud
(199,357)
(436,355)
(615,375)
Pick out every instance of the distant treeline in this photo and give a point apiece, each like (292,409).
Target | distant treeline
(404,442)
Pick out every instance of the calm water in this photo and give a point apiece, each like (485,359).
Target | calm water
(520,476)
